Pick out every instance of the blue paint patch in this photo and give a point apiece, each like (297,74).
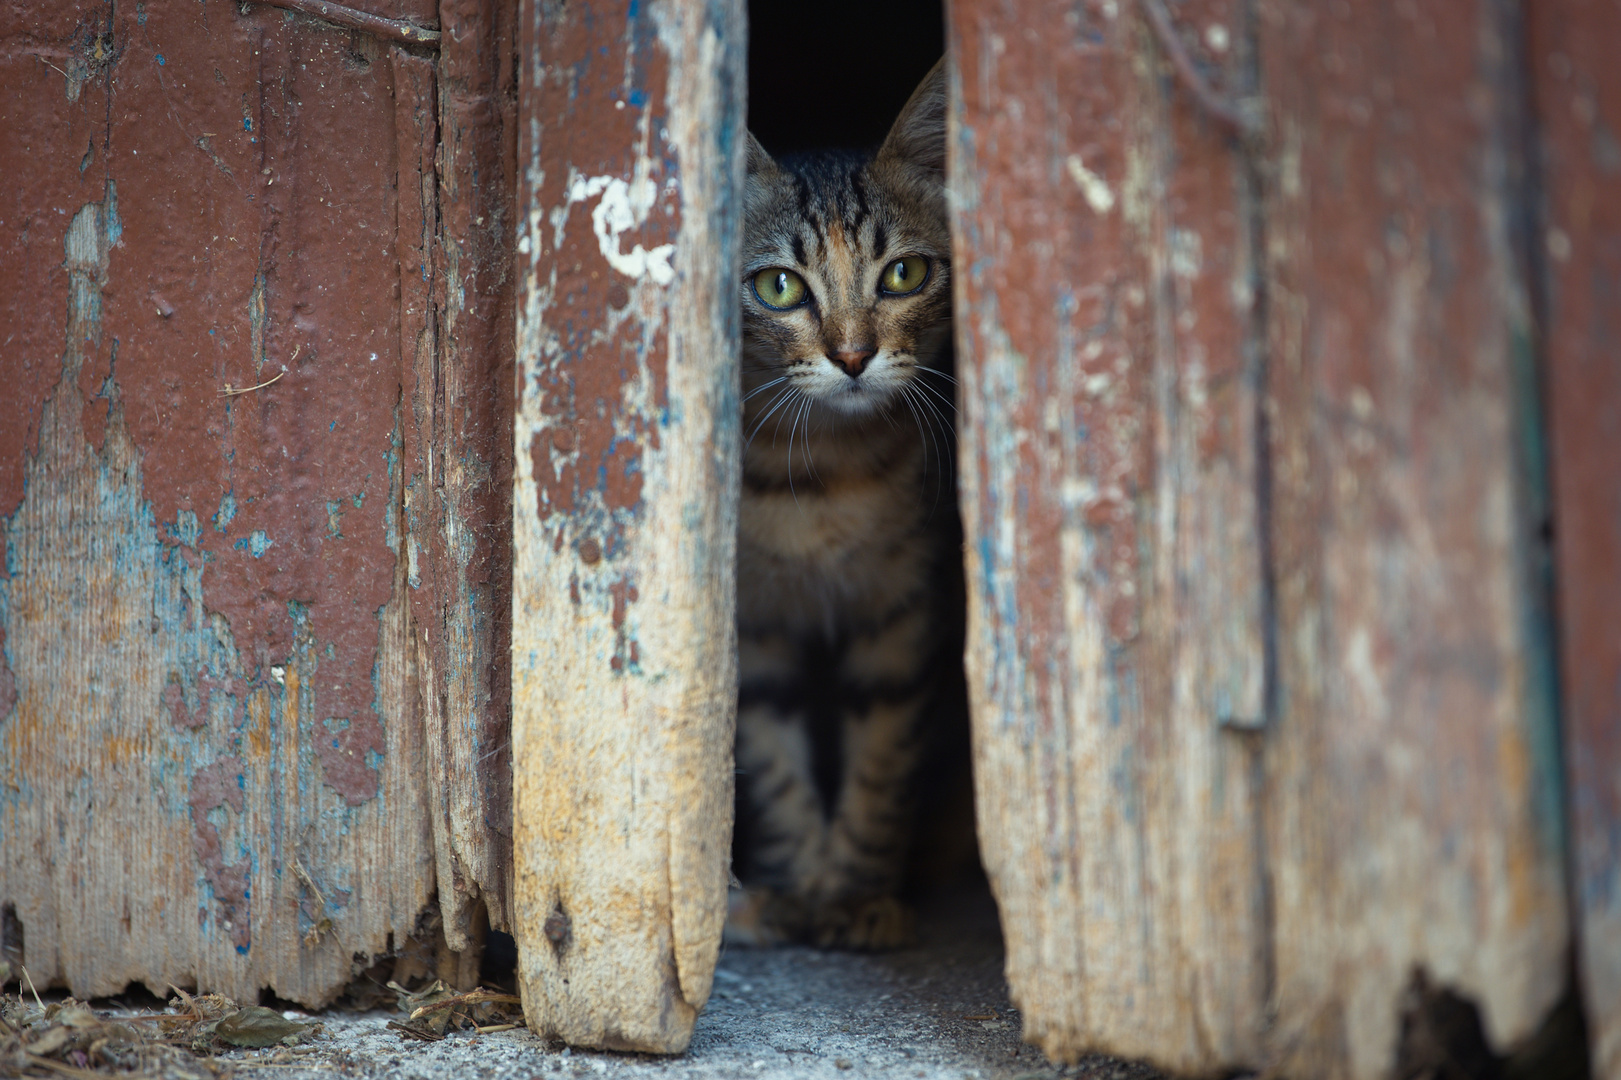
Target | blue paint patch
(247,124)
(186,528)
(332,426)
(227,510)
(637,98)
(160,59)
(256,543)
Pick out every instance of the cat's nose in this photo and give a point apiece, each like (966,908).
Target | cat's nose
(852,358)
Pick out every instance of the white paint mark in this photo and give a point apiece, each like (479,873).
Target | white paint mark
(1093,187)
(1217,38)
(1558,245)
(623,207)
(1187,253)
(279,673)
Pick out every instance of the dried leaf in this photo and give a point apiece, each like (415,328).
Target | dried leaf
(259,1026)
(50,1041)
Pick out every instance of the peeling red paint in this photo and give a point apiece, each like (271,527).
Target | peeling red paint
(212,787)
(289,195)
(587,461)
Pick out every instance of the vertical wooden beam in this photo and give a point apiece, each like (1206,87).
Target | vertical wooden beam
(460,503)
(1116,656)
(1195,866)
(1414,819)
(1577,87)
(625,513)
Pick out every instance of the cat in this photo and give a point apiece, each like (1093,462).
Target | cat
(845,526)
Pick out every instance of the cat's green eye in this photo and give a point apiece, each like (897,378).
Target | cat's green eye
(779,288)
(904,275)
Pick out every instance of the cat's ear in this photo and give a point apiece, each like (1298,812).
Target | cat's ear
(759,161)
(919,135)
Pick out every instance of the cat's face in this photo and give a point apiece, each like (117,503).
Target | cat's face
(846,270)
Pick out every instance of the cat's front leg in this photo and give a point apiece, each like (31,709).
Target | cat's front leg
(884,679)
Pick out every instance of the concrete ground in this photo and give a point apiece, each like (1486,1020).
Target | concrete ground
(938,1011)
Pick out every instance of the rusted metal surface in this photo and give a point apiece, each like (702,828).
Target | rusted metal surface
(1233,860)
(625,513)
(1107,334)
(1577,86)
(219,273)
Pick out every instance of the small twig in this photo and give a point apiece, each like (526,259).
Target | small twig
(415,1033)
(312,1066)
(65,1070)
(31,989)
(231,391)
(1219,108)
(50,65)
(493,1028)
(472,997)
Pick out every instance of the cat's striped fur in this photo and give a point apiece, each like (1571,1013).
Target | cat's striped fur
(846,512)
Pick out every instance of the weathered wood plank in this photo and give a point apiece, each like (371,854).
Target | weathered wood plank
(460,504)
(211,751)
(1576,83)
(625,513)
(1215,873)
(1414,819)
(1107,351)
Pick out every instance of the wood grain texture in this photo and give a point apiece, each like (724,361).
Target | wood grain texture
(1413,773)
(211,751)
(460,497)
(1215,872)
(624,680)
(1577,86)
(1107,342)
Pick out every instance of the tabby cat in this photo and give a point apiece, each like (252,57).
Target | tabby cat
(845,526)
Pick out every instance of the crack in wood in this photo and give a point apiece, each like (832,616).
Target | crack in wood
(338,14)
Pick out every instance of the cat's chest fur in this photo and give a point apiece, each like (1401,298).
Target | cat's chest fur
(832,547)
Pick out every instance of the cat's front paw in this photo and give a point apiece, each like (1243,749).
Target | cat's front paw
(765,918)
(873,924)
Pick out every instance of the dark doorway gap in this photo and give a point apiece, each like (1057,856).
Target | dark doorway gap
(835,74)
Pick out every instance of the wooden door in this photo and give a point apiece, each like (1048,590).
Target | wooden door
(1577,87)
(253,475)
(1256,502)
(625,513)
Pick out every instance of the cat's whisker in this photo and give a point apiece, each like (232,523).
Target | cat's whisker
(906,397)
(793,401)
(946,375)
(940,470)
(810,466)
(944,399)
(952,405)
(933,415)
(783,397)
(765,386)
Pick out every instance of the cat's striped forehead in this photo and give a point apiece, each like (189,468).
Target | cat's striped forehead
(837,209)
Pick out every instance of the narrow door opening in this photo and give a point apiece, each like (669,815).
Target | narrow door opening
(837,80)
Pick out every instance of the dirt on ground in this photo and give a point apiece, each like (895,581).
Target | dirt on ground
(939,1011)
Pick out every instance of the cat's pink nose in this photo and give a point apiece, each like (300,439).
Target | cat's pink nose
(852,358)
